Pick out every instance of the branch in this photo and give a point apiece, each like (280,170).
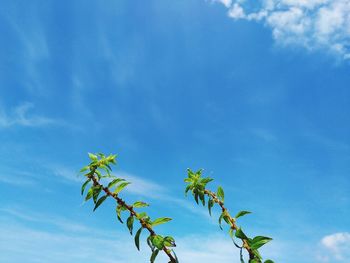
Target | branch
(197,185)
(156,242)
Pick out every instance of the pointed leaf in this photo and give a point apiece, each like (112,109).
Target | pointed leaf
(100,201)
(242,213)
(169,241)
(154,255)
(121,187)
(210,205)
(220,219)
(89,194)
(161,220)
(84,186)
(85,168)
(259,241)
(137,238)
(187,189)
(92,157)
(176,259)
(139,204)
(221,193)
(97,190)
(239,233)
(114,182)
(130,223)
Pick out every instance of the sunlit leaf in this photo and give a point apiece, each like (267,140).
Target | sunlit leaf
(221,193)
(140,204)
(114,182)
(242,213)
(161,220)
(121,187)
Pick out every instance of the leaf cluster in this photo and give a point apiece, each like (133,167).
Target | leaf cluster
(100,167)
(197,185)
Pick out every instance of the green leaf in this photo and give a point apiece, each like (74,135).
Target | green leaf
(257,254)
(130,223)
(141,215)
(100,201)
(154,255)
(84,186)
(158,241)
(137,238)
(190,173)
(240,234)
(114,182)
(169,241)
(119,209)
(121,187)
(97,190)
(221,193)
(161,220)
(268,261)
(92,157)
(98,173)
(206,180)
(140,204)
(201,197)
(220,219)
(227,219)
(149,242)
(254,260)
(210,205)
(187,189)
(259,241)
(176,259)
(196,197)
(242,213)
(85,168)
(89,194)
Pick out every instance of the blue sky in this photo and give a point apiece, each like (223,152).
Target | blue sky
(256,93)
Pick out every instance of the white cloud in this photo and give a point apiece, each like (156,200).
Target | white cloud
(20,116)
(312,24)
(226,3)
(336,248)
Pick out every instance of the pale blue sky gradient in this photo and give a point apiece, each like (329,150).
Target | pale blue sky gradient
(168,85)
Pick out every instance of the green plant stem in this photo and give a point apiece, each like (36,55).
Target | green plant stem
(232,221)
(121,202)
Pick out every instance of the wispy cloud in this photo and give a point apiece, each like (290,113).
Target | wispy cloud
(21,116)
(16,181)
(139,186)
(336,248)
(312,24)
(19,242)
(68,241)
(26,215)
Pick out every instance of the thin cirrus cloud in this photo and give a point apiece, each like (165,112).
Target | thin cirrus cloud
(139,187)
(311,24)
(67,241)
(21,116)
